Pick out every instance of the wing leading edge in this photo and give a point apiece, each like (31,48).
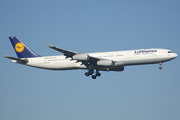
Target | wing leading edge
(67,53)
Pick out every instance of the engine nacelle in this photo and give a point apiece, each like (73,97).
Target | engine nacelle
(105,63)
(81,56)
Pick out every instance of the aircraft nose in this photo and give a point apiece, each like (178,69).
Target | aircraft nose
(175,55)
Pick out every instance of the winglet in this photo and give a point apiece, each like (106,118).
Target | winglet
(49,45)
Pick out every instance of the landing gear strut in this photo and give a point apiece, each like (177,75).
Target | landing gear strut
(90,72)
(97,73)
(160,68)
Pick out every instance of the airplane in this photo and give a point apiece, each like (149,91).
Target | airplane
(100,61)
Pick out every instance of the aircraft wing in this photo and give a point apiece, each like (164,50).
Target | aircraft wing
(68,53)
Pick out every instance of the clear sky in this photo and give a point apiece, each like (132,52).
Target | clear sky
(138,93)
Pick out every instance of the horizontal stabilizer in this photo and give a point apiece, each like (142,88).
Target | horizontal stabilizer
(22,61)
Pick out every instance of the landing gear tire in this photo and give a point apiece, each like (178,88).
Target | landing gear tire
(98,74)
(91,72)
(93,77)
(160,68)
(87,74)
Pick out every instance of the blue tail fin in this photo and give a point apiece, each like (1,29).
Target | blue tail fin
(21,49)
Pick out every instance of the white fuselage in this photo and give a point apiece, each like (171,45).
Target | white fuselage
(121,58)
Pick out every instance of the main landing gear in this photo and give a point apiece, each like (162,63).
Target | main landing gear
(160,67)
(90,72)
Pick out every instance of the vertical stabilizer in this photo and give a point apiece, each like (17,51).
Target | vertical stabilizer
(21,49)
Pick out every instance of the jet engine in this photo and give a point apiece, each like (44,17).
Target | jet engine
(105,63)
(81,56)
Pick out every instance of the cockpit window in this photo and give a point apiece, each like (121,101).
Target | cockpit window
(170,51)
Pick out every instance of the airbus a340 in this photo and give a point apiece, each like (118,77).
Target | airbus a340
(101,61)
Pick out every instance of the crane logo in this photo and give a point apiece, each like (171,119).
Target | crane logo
(19,47)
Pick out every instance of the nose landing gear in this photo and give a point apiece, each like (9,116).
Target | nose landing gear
(160,67)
